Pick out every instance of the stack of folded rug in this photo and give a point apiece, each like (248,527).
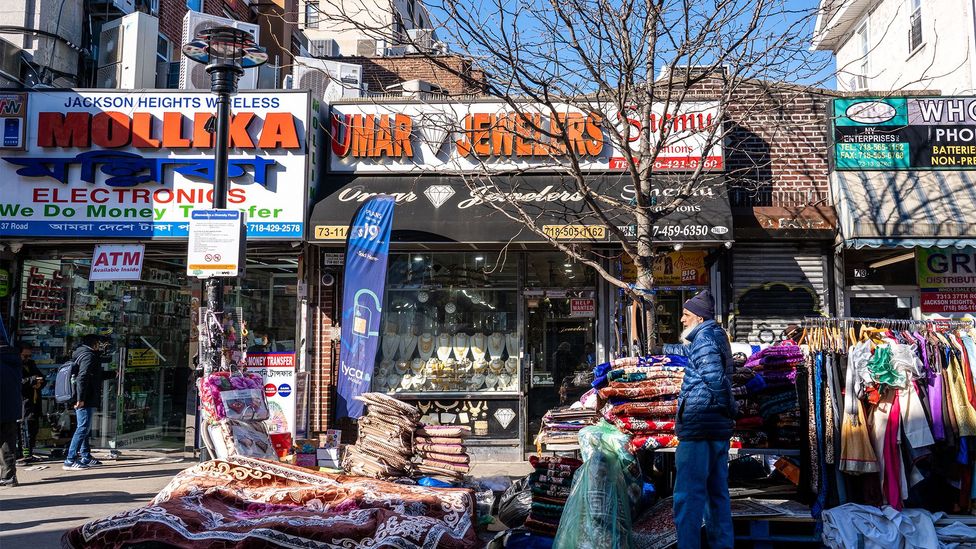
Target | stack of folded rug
(550,483)
(773,401)
(439,452)
(639,396)
(561,426)
(384,446)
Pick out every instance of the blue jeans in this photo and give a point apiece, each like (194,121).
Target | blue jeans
(701,489)
(79,448)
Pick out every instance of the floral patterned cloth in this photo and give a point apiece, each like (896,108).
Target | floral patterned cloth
(245,503)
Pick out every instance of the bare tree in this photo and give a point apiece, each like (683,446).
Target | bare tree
(653,75)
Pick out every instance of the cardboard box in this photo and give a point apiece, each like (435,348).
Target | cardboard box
(330,438)
(305,460)
(331,454)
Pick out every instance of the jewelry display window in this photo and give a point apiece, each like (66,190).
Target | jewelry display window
(449,326)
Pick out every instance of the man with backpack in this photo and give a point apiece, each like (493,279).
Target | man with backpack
(89,374)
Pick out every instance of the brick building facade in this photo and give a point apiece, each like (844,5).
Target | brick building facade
(777,180)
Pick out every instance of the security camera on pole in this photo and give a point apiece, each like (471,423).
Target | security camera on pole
(217,237)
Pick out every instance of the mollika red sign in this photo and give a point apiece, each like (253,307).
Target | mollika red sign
(117,262)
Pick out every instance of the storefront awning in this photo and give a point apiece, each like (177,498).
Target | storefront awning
(438,208)
(905,209)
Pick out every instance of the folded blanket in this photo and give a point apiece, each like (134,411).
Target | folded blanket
(452,458)
(638,373)
(440,448)
(438,440)
(397,407)
(447,465)
(751,422)
(429,470)
(536,461)
(557,491)
(633,424)
(648,442)
(645,410)
(536,526)
(541,479)
(557,471)
(640,391)
(442,431)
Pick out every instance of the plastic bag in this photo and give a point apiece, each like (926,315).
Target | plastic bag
(516,503)
(605,490)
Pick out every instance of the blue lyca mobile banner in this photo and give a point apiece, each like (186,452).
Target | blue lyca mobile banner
(367,250)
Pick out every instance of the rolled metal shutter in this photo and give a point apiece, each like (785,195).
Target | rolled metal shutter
(774,285)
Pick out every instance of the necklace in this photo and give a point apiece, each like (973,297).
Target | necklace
(478,346)
(426,346)
(408,344)
(496,344)
(511,342)
(391,342)
(444,346)
(460,345)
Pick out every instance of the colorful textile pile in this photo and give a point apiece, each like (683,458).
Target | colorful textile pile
(765,390)
(243,502)
(440,453)
(640,397)
(561,426)
(550,484)
(385,444)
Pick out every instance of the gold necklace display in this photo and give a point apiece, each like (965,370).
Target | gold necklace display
(426,346)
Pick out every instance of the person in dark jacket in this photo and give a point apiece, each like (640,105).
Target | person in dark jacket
(10,412)
(31,385)
(88,386)
(706,412)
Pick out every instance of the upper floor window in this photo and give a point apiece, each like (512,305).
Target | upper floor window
(864,44)
(914,25)
(311,15)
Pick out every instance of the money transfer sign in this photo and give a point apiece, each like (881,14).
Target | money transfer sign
(905,133)
(137,163)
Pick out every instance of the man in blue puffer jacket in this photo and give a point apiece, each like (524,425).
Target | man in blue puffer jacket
(706,412)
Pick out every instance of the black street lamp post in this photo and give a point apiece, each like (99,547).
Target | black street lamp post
(226,52)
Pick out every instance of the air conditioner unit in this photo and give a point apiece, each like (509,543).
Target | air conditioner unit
(328,80)
(127,52)
(10,62)
(193,75)
(323,48)
(366,47)
(420,41)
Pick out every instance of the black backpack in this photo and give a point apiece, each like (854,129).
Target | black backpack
(65,391)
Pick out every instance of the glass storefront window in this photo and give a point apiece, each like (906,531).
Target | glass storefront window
(449,325)
(147,324)
(268,297)
(556,270)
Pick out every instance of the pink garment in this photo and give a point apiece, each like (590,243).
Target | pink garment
(892,471)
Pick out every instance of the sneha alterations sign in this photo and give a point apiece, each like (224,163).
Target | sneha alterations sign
(137,164)
(905,133)
(478,136)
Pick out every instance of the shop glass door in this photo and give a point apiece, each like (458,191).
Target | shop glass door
(559,347)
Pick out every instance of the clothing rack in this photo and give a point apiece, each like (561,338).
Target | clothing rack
(830,321)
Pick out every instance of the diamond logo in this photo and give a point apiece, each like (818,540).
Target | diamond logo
(504,417)
(435,127)
(439,194)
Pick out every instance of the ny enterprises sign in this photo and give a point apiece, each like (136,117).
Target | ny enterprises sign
(905,133)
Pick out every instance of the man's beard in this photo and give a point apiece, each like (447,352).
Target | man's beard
(685,332)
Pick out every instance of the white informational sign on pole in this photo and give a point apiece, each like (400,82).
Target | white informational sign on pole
(214,248)
(278,371)
(117,262)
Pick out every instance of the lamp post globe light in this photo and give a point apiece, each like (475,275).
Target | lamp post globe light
(226,52)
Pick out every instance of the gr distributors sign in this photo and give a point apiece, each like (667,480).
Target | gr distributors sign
(947,278)
(905,133)
(136,164)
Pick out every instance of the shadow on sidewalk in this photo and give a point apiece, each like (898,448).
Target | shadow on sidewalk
(69,500)
(12,526)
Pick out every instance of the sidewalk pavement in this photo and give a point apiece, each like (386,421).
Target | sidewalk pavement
(51,501)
